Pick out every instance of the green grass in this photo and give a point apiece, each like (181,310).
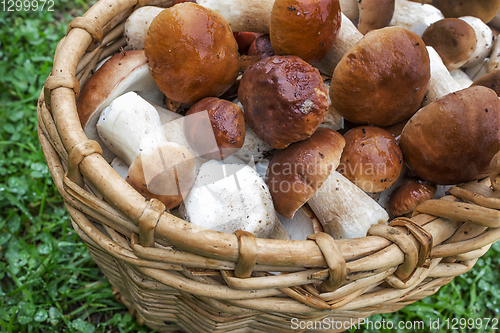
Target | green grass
(48,282)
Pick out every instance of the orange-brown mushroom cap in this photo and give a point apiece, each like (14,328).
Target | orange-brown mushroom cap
(371,158)
(305,28)
(284,99)
(490,80)
(375,14)
(405,198)
(382,79)
(192,53)
(453,139)
(297,172)
(453,39)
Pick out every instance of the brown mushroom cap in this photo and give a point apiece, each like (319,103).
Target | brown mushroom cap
(261,47)
(223,119)
(483,9)
(382,79)
(405,198)
(284,99)
(166,173)
(375,14)
(453,139)
(304,28)
(490,80)
(192,53)
(297,172)
(371,158)
(453,39)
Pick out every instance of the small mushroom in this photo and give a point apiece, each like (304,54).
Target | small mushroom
(415,16)
(375,14)
(261,47)
(484,43)
(383,79)
(297,172)
(230,197)
(137,25)
(405,198)
(304,28)
(186,62)
(371,158)
(284,99)
(490,80)
(484,10)
(453,139)
(453,39)
(124,72)
(218,119)
(131,128)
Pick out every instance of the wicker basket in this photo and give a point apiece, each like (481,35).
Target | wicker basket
(173,275)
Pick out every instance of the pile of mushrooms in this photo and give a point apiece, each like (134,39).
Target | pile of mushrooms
(285,118)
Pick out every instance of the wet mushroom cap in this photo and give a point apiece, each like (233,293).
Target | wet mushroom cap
(297,172)
(371,158)
(304,28)
(284,99)
(484,9)
(453,39)
(409,195)
(192,53)
(226,124)
(453,139)
(382,79)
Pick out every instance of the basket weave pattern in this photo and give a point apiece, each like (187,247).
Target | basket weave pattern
(173,275)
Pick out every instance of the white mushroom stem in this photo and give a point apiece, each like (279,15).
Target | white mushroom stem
(130,125)
(243,15)
(344,210)
(484,37)
(348,36)
(137,25)
(415,16)
(441,82)
(230,197)
(478,70)
(494,56)
(299,227)
(461,77)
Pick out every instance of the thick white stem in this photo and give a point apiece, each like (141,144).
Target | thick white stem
(415,16)
(441,82)
(344,210)
(484,37)
(130,125)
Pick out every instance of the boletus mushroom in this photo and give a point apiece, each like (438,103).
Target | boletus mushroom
(192,53)
(406,197)
(131,128)
(453,139)
(284,99)
(382,79)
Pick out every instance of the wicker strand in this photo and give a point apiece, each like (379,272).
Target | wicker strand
(335,261)
(88,25)
(148,222)
(247,248)
(77,154)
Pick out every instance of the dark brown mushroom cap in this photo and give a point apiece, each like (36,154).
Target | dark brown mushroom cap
(192,53)
(284,99)
(490,80)
(453,39)
(483,9)
(382,79)
(223,120)
(406,197)
(375,14)
(297,172)
(305,28)
(453,139)
(371,158)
